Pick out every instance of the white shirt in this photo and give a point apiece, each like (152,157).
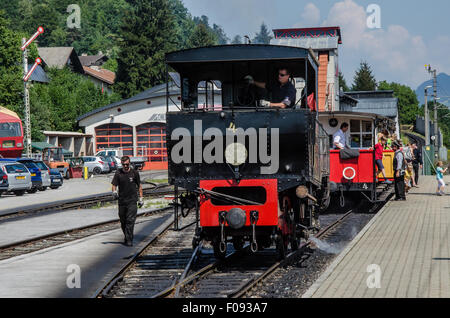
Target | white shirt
(339,138)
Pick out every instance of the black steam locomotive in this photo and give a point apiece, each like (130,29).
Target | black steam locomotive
(251,173)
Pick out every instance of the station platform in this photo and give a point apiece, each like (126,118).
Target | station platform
(99,257)
(403,252)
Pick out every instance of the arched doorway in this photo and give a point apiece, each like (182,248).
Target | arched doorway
(114,136)
(151,142)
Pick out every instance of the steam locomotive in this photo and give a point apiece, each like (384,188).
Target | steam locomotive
(251,173)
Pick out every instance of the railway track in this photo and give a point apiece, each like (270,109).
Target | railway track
(168,267)
(78,203)
(158,266)
(54,239)
(161,269)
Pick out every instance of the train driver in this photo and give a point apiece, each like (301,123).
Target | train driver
(283,92)
(339,139)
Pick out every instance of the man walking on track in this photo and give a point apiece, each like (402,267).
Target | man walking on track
(129,182)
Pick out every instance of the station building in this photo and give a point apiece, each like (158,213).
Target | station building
(137,125)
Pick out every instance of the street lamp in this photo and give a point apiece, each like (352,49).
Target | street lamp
(427,124)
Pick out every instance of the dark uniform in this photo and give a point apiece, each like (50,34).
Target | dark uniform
(285,94)
(399,165)
(128,183)
(417,162)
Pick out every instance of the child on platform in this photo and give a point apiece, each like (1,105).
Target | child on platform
(440,178)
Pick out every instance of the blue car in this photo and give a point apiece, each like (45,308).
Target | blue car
(36,178)
(56,179)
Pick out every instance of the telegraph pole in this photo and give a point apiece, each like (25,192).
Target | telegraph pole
(427,120)
(26,95)
(436,130)
(26,101)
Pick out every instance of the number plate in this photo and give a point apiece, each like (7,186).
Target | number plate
(20,178)
(33,175)
(57,180)
(8,144)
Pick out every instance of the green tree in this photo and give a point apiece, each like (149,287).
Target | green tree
(237,40)
(408,104)
(201,37)
(263,37)
(220,35)
(183,21)
(57,105)
(11,66)
(343,83)
(364,79)
(146,37)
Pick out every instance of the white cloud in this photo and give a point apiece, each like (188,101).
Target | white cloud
(393,53)
(310,16)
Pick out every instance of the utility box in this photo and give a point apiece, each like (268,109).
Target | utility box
(428,158)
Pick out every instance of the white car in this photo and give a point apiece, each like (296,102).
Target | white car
(96,165)
(19,177)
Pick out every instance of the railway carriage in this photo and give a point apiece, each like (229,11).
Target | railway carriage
(251,174)
(11,134)
(359,174)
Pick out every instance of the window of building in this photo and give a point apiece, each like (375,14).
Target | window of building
(115,136)
(361,134)
(151,141)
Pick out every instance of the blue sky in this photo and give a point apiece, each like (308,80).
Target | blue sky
(413,33)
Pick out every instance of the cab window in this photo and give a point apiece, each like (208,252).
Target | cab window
(361,133)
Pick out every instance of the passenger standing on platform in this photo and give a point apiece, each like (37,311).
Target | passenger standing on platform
(399,172)
(129,182)
(379,158)
(408,152)
(339,139)
(417,162)
(440,178)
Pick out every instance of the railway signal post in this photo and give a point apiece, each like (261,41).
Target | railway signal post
(26,95)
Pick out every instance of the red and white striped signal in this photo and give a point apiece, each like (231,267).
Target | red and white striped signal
(40,30)
(36,63)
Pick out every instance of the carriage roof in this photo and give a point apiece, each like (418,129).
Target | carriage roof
(239,53)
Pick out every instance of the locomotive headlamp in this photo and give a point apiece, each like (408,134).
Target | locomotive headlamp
(301,192)
(235,154)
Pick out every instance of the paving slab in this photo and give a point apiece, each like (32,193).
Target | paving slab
(46,273)
(404,251)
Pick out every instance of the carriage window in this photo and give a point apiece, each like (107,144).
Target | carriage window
(361,134)
(209,96)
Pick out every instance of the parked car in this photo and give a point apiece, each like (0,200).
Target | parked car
(111,162)
(33,169)
(56,179)
(96,165)
(45,173)
(19,178)
(136,162)
(36,175)
(3,182)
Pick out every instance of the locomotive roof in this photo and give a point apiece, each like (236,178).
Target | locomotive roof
(353,114)
(239,52)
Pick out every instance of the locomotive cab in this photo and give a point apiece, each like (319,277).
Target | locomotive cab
(252,173)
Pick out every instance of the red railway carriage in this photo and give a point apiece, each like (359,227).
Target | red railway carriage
(11,134)
(358,174)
